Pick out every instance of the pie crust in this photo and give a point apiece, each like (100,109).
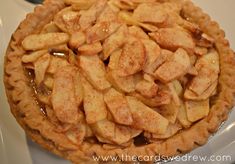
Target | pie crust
(29,115)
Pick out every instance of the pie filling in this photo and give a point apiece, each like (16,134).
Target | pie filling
(122,73)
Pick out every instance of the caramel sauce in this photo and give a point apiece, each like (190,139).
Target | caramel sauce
(141,140)
(62,54)
(31,76)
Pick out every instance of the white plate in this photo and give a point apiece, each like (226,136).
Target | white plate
(14,147)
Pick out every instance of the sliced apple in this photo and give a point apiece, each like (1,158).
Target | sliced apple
(78,5)
(164,56)
(79,91)
(114,59)
(197,110)
(178,87)
(200,51)
(170,7)
(192,71)
(56,64)
(150,13)
(127,18)
(208,72)
(162,98)
(42,41)
(133,57)
(112,133)
(172,129)
(48,81)
(153,55)
(115,41)
(123,4)
(137,32)
(107,15)
(50,28)
(147,89)
(174,68)
(124,84)
(148,77)
(77,134)
(101,31)
(32,57)
(205,95)
(94,105)
(146,118)
(148,27)
(88,17)
(142,1)
(118,107)
(90,49)
(174,38)
(40,67)
(77,39)
(174,93)
(63,95)
(94,70)
(113,6)
(182,117)
(169,111)
(67,20)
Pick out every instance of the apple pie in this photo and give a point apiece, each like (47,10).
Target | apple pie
(114,78)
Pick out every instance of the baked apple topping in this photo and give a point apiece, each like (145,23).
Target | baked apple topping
(116,71)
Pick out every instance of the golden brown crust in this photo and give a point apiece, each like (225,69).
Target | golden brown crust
(42,131)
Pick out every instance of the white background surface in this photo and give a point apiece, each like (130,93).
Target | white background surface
(13,146)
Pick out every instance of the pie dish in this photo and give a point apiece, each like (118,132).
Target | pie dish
(113,78)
